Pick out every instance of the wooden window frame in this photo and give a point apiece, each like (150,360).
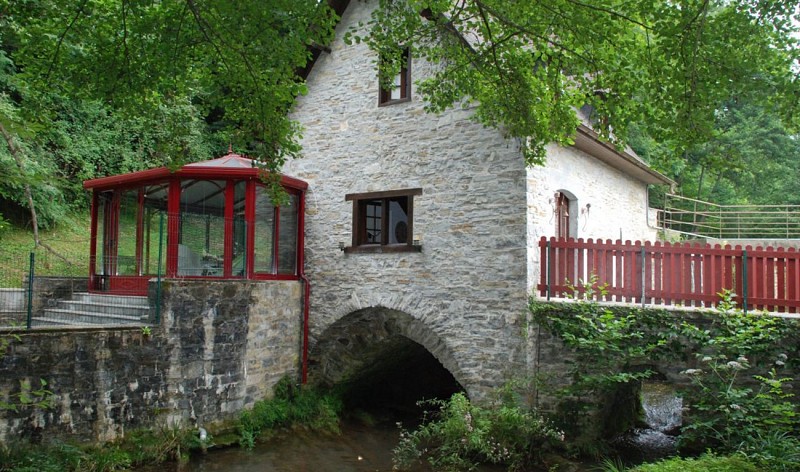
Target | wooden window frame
(359,221)
(385,95)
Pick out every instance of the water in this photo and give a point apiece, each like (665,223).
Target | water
(359,448)
(662,409)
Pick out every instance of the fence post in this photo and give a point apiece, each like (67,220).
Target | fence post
(29,321)
(547,268)
(158,270)
(744,280)
(644,289)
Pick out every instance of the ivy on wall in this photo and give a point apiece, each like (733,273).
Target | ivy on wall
(738,366)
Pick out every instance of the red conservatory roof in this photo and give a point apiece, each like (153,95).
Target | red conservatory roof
(230,166)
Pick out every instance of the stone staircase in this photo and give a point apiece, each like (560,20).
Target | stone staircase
(96,309)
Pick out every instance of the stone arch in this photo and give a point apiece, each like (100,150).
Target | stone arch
(346,347)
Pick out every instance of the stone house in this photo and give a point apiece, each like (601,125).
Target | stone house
(426,226)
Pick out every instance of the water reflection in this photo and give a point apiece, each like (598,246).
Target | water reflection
(358,449)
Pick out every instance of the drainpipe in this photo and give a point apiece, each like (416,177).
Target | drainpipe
(306,288)
(306,302)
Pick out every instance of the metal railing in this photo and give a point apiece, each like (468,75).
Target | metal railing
(697,218)
(38,294)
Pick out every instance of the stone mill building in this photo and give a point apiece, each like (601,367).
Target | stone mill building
(422,229)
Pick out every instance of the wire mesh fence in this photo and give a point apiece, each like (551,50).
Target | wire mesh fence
(45,291)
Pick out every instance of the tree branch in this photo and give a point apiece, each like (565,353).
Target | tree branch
(61,39)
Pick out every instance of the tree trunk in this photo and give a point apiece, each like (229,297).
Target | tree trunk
(15,153)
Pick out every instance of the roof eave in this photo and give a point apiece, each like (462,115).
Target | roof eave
(588,141)
(163,173)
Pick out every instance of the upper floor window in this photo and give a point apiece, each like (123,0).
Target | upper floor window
(383,221)
(399,88)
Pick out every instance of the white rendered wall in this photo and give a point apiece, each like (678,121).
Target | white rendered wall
(617,202)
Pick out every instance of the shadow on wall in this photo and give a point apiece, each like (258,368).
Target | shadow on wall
(373,357)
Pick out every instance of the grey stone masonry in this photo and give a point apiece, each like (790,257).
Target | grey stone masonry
(220,347)
(467,285)
(479,218)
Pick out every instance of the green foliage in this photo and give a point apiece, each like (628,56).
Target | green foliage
(459,435)
(290,406)
(705,463)
(90,89)
(138,448)
(732,416)
(776,450)
(737,400)
(751,157)
(161,444)
(526,67)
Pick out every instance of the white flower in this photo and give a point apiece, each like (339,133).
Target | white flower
(692,372)
(706,359)
(735,365)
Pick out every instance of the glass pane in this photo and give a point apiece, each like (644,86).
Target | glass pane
(287,237)
(201,241)
(397,90)
(263,250)
(155,208)
(239,230)
(126,237)
(398,220)
(373,210)
(103,207)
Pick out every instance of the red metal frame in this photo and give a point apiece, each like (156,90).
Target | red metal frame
(200,171)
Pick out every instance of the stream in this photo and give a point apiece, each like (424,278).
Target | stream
(368,448)
(358,448)
(662,414)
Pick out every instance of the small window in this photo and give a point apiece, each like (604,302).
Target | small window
(399,88)
(383,221)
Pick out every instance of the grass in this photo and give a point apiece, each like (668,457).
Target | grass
(70,239)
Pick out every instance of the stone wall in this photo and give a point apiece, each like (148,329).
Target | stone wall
(553,362)
(467,285)
(220,347)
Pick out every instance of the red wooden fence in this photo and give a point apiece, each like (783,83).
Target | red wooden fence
(672,274)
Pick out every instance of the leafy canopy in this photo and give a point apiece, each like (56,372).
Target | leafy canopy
(97,87)
(529,65)
(235,61)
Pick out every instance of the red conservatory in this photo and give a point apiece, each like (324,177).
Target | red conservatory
(208,220)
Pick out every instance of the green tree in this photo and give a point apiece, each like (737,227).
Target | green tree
(99,86)
(529,65)
(750,158)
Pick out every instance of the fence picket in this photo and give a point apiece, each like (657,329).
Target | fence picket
(688,274)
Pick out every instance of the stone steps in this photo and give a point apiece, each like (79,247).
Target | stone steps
(96,309)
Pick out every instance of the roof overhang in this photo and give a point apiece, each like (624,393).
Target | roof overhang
(189,171)
(588,141)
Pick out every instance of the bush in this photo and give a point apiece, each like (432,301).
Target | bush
(461,435)
(290,407)
(705,463)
